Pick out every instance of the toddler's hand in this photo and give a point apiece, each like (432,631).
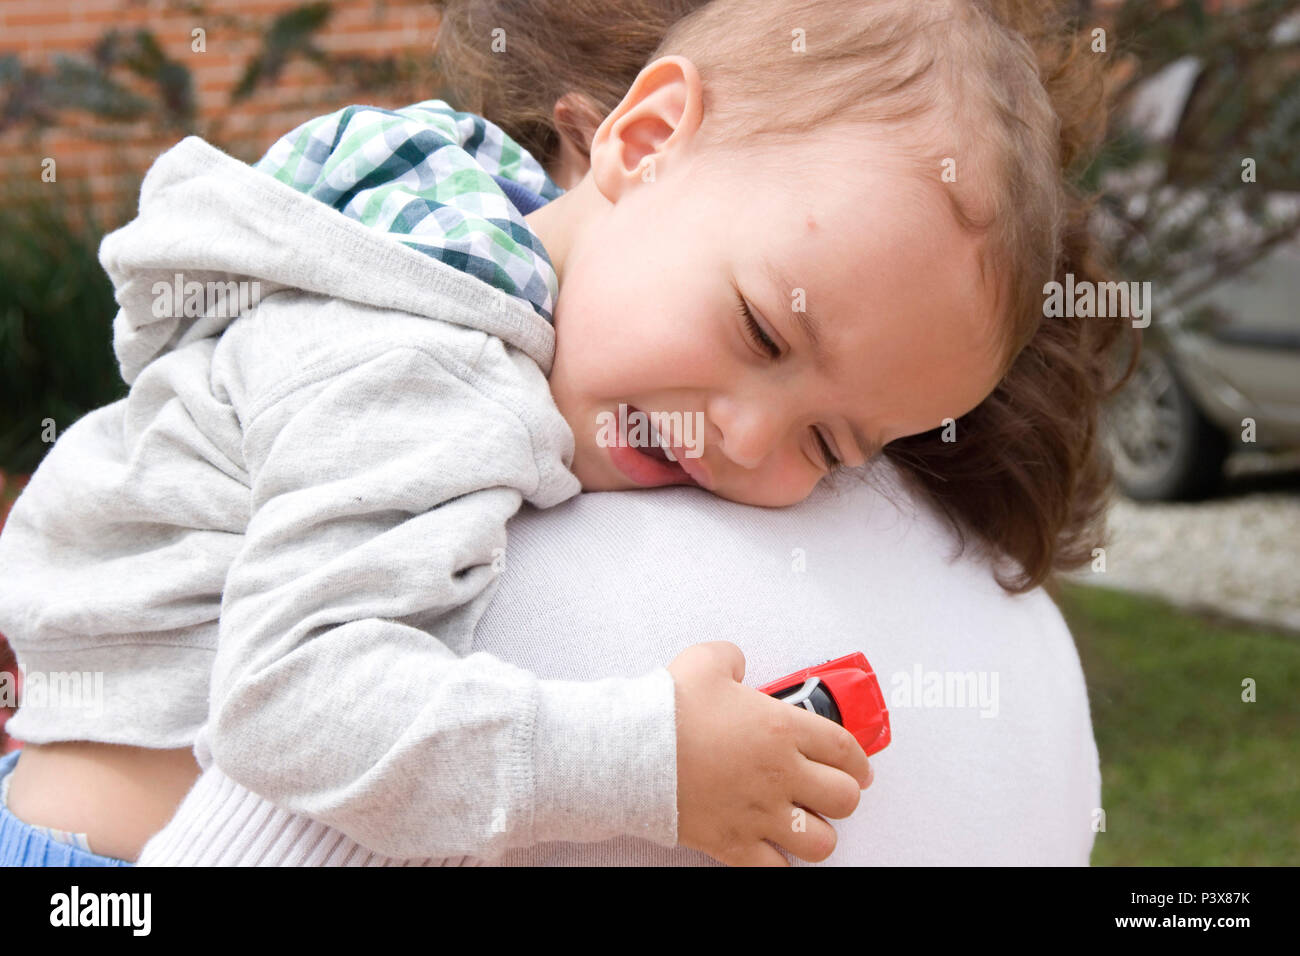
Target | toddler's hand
(747,762)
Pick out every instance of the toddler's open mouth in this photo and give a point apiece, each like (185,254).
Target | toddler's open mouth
(651,465)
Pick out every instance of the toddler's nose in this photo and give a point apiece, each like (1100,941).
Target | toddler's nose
(748,441)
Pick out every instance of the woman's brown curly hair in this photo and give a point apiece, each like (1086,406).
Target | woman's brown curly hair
(1028,477)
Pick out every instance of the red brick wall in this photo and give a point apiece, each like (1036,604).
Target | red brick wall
(109,158)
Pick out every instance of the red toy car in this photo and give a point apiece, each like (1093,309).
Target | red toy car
(845,691)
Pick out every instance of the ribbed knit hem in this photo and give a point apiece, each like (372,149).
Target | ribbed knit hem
(221,823)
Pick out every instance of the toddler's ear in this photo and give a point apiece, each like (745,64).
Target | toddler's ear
(657,118)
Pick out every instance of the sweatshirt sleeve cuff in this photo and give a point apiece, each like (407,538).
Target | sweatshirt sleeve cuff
(605,759)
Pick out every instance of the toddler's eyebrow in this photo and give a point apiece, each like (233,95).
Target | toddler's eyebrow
(810,325)
(807,322)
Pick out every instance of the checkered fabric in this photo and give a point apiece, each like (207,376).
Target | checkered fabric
(424,173)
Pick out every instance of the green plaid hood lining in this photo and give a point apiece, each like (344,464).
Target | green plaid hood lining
(424,173)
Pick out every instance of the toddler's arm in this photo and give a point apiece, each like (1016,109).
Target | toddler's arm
(381,485)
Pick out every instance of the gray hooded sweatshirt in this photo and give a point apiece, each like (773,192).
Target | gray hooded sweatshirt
(276,547)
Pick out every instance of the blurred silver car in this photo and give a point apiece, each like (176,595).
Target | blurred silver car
(1202,391)
(1199,395)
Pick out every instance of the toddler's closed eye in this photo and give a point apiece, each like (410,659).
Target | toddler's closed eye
(756,333)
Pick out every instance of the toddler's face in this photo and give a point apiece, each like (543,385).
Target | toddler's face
(655,277)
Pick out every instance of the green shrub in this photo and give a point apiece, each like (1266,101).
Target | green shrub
(56,324)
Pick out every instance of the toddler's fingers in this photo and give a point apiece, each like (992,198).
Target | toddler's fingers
(728,656)
(805,835)
(826,790)
(825,741)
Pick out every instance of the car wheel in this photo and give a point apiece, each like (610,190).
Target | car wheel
(1163,447)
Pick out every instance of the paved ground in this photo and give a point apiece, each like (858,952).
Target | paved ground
(1237,554)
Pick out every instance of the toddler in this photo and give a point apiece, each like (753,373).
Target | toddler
(814,229)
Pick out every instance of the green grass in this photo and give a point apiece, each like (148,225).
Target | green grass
(1191,774)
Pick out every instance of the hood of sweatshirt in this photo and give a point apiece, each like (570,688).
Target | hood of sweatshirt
(214,235)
